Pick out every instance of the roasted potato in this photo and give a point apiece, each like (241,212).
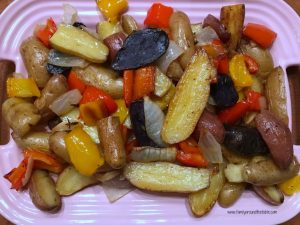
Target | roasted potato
(114,43)
(276,95)
(182,34)
(175,70)
(103,78)
(20,115)
(190,99)
(35,58)
(58,146)
(33,140)
(112,141)
(128,24)
(266,173)
(70,181)
(163,102)
(270,194)
(230,193)
(234,157)
(55,87)
(106,28)
(202,201)
(42,191)
(277,136)
(166,177)
(74,41)
(262,56)
(233,16)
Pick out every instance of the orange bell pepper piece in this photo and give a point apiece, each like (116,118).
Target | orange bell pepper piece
(251,64)
(144,82)
(75,83)
(92,111)
(128,80)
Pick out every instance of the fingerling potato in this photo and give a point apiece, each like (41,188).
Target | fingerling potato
(34,140)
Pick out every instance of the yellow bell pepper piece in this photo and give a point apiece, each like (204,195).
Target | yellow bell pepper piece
(92,111)
(290,186)
(239,72)
(22,87)
(111,9)
(122,111)
(241,95)
(84,153)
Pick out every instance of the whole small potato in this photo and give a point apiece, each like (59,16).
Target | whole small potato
(129,24)
(55,87)
(102,78)
(42,191)
(34,140)
(112,142)
(58,146)
(20,115)
(230,193)
(35,58)
(182,34)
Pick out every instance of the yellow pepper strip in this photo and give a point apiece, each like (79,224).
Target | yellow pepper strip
(92,111)
(122,111)
(22,87)
(239,72)
(111,9)
(290,186)
(84,153)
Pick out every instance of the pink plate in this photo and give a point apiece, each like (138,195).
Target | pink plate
(91,206)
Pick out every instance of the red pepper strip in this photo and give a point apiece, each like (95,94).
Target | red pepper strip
(128,78)
(144,82)
(16,175)
(251,64)
(223,65)
(158,16)
(92,94)
(189,159)
(44,160)
(189,146)
(234,113)
(130,145)
(46,33)
(75,83)
(125,132)
(260,34)
(253,100)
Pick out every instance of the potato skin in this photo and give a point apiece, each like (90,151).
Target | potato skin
(112,141)
(277,136)
(114,43)
(58,146)
(210,122)
(103,78)
(182,34)
(276,95)
(55,87)
(42,192)
(230,193)
(128,24)
(20,115)
(34,140)
(35,57)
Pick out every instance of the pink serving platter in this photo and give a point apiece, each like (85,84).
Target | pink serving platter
(91,206)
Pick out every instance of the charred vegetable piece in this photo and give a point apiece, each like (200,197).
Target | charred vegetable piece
(137,116)
(79,25)
(244,140)
(52,69)
(54,121)
(215,23)
(141,48)
(278,137)
(223,92)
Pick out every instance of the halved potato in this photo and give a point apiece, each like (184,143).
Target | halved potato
(190,99)
(202,201)
(166,177)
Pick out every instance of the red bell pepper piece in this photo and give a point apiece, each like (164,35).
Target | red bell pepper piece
(92,94)
(251,64)
(253,100)
(158,16)
(189,159)
(261,34)
(234,113)
(189,146)
(128,79)
(46,33)
(75,83)
(130,145)
(16,175)
(223,65)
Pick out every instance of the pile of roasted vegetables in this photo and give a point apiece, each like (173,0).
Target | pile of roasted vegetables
(166,106)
